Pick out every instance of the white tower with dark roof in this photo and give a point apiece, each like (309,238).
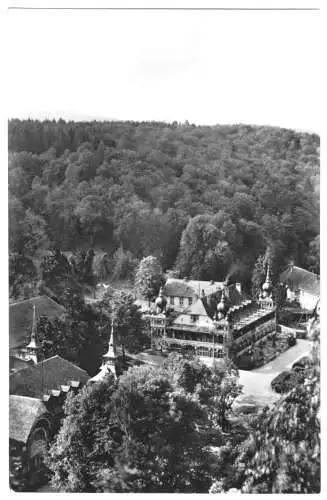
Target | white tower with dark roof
(266,299)
(33,350)
(109,359)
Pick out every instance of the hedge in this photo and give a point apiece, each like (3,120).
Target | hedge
(286,381)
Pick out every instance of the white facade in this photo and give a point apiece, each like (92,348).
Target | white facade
(179,304)
(306,299)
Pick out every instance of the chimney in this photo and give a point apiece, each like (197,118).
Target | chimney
(185,278)
(226,290)
(238,287)
(212,282)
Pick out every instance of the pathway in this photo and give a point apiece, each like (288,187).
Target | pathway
(256,383)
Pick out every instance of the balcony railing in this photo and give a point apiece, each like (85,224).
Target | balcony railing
(195,343)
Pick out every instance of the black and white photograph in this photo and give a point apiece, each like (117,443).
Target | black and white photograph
(163,247)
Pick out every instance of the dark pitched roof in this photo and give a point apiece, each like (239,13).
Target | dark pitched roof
(21,316)
(40,379)
(178,288)
(301,279)
(18,364)
(208,305)
(189,288)
(232,298)
(23,414)
(208,287)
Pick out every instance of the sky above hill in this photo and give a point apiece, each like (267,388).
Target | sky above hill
(205,67)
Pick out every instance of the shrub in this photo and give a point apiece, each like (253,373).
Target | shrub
(291,340)
(302,364)
(251,359)
(286,381)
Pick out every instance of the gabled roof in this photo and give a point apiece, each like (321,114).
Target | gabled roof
(208,287)
(21,317)
(23,414)
(188,288)
(48,375)
(18,364)
(178,288)
(301,279)
(197,309)
(208,305)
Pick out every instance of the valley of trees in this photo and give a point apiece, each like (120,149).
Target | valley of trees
(172,429)
(107,201)
(205,200)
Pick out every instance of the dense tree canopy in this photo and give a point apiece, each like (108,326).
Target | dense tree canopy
(195,197)
(281,453)
(81,335)
(148,432)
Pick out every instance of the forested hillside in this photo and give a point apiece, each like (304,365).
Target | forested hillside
(207,200)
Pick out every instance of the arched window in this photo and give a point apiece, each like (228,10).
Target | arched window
(203,351)
(38,444)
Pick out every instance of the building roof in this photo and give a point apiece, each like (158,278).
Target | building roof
(188,288)
(21,317)
(178,288)
(18,363)
(44,377)
(209,287)
(23,414)
(197,309)
(208,306)
(301,279)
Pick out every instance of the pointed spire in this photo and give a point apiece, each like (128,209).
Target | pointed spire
(109,358)
(268,277)
(111,353)
(267,284)
(34,347)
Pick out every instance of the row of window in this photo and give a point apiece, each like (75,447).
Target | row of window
(198,337)
(199,351)
(249,339)
(182,301)
(205,352)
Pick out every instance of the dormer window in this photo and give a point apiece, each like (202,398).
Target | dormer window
(194,318)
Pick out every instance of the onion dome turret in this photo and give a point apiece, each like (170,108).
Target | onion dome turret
(267,286)
(222,306)
(161,301)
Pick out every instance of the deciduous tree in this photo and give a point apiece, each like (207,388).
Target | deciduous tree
(148,278)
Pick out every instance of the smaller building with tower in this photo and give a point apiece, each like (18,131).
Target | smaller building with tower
(220,325)
(38,389)
(109,359)
(21,342)
(302,286)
